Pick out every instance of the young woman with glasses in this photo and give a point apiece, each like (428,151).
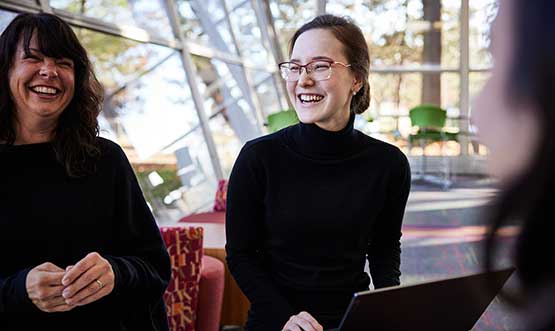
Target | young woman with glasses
(309,204)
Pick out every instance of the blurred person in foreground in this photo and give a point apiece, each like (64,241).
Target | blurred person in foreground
(79,247)
(515,115)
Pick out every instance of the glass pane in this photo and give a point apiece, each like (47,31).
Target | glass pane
(397,31)
(267,91)
(223,93)
(147,14)
(211,24)
(224,33)
(191,24)
(5,18)
(213,7)
(227,142)
(393,95)
(107,127)
(477,81)
(179,182)
(119,61)
(156,109)
(482,13)
(196,173)
(249,37)
(450,93)
(232,4)
(288,17)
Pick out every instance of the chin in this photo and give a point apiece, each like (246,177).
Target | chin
(307,116)
(307,119)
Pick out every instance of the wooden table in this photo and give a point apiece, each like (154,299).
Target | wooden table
(235,305)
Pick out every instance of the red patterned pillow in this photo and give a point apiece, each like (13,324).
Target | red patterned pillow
(221,196)
(181,297)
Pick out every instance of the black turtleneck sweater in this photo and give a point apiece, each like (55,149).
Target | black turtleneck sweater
(305,208)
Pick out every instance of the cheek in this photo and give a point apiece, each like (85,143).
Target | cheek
(338,91)
(69,82)
(489,107)
(11,80)
(291,89)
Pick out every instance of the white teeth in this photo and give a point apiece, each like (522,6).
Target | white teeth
(44,89)
(310,97)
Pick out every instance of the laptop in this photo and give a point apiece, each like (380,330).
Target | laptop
(453,304)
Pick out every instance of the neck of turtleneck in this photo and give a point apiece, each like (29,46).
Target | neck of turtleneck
(315,142)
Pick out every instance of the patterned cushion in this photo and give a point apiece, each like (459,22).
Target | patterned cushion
(221,196)
(184,245)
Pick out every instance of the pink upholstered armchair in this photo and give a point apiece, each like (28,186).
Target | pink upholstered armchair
(217,215)
(195,293)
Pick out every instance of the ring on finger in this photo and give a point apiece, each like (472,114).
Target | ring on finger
(100,284)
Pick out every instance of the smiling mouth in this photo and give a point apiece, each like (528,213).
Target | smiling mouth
(310,98)
(45,90)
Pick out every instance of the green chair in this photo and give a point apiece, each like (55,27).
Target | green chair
(428,122)
(282,119)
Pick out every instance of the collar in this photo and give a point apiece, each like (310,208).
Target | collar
(312,141)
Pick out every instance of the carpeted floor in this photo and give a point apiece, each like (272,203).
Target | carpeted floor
(443,236)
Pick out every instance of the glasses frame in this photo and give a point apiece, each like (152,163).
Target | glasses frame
(308,72)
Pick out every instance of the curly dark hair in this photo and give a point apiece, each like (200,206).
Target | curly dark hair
(356,51)
(75,138)
(529,198)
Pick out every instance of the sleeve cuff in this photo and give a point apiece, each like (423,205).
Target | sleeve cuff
(20,301)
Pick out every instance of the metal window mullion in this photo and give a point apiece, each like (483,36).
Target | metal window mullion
(266,14)
(254,96)
(320,7)
(97,25)
(231,29)
(45,6)
(134,79)
(464,98)
(238,72)
(18,7)
(195,92)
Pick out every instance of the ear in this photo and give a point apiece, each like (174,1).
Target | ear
(357,84)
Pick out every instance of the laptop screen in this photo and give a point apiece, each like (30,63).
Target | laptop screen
(453,304)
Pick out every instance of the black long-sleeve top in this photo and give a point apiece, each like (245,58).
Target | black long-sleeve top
(305,208)
(46,216)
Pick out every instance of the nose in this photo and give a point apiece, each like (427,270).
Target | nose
(304,78)
(48,69)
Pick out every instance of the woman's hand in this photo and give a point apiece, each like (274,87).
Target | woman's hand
(44,288)
(88,280)
(302,322)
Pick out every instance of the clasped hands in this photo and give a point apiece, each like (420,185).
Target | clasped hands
(302,322)
(53,289)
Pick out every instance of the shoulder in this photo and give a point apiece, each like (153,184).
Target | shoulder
(111,153)
(259,153)
(109,147)
(264,144)
(387,152)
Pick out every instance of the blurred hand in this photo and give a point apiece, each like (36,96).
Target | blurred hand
(44,288)
(302,322)
(88,280)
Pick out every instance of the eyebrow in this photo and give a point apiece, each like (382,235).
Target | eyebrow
(314,59)
(32,50)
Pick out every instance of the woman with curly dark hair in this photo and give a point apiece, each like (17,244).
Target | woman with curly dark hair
(515,114)
(76,235)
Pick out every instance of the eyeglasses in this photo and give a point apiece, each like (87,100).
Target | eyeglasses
(317,70)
